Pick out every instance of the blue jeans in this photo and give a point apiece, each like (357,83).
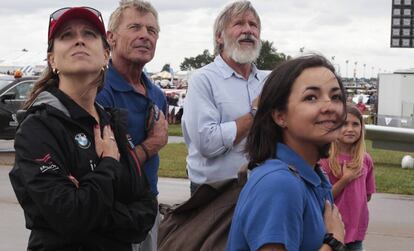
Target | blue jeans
(354,246)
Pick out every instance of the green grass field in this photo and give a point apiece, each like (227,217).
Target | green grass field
(172,162)
(389,175)
(174,130)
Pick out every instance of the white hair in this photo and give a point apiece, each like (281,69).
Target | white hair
(226,15)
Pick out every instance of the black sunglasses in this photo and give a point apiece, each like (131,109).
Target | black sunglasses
(58,13)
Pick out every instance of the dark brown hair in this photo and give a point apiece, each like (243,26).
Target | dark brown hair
(265,133)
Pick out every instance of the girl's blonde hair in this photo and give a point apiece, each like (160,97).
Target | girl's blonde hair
(358,148)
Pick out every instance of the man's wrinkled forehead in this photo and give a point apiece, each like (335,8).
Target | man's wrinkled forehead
(234,16)
(140,13)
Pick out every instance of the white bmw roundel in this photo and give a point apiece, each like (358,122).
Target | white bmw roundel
(82,140)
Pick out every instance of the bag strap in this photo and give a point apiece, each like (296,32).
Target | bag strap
(242,175)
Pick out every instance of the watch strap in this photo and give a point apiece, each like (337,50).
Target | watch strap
(331,241)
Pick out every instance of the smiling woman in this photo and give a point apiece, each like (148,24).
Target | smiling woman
(287,202)
(78,181)
(314,110)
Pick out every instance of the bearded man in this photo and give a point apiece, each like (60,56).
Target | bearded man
(222,98)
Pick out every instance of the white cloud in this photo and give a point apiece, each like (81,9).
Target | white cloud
(351,30)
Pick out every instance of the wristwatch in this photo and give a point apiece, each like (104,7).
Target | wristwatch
(336,245)
(253,111)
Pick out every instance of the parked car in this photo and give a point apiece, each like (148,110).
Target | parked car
(13,93)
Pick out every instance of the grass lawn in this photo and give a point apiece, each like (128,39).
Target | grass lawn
(389,175)
(172,163)
(174,130)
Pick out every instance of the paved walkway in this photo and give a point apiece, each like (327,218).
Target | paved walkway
(391,216)
(6,145)
(175,139)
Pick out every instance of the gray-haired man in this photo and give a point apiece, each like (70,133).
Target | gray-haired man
(222,98)
(132,34)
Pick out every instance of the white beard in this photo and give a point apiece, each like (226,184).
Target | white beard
(242,56)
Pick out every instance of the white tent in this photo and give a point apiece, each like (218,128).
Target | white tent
(164,75)
(181,74)
(30,61)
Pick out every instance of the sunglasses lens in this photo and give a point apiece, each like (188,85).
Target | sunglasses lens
(58,14)
(55,15)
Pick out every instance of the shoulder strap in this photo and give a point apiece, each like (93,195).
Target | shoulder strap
(242,175)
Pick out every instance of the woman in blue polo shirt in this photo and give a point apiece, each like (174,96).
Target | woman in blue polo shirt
(286,203)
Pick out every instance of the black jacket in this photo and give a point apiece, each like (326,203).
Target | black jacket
(111,207)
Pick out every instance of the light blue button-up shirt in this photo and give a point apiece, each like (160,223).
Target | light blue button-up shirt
(216,97)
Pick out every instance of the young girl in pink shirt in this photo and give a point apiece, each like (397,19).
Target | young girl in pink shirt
(351,171)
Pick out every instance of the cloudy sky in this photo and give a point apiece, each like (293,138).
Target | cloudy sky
(353,30)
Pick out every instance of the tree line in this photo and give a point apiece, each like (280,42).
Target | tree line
(268,58)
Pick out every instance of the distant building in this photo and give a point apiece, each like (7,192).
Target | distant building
(396,99)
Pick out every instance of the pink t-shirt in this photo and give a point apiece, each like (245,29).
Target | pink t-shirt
(352,201)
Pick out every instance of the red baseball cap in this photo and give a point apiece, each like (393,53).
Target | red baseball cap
(59,17)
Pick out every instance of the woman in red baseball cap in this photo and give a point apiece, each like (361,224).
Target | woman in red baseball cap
(76,176)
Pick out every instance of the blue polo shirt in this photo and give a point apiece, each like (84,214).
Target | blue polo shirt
(117,92)
(281,206)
